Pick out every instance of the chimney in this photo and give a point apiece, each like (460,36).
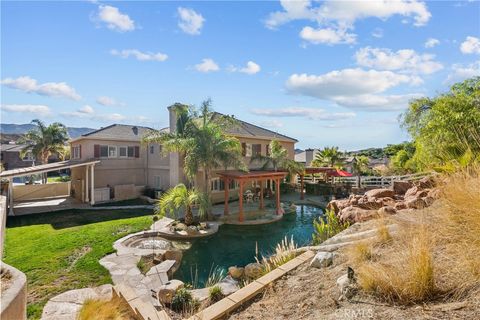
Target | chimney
(172,117)
(309,154)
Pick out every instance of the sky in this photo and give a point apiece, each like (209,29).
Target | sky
(328,73)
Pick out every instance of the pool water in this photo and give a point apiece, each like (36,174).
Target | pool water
(236,245)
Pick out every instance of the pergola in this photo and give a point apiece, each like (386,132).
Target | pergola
(243,177)
(55,166)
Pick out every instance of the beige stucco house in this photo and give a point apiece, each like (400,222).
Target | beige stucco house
(127,166)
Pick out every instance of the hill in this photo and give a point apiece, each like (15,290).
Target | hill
(18,129)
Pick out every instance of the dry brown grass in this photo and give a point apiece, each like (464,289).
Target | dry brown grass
(437,257)
(285,251)
(360,252)
(94,309)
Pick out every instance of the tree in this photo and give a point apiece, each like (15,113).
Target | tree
(202,140)
(180,197)
(360,164)
(446,127)
(277,158)
(329,157)
(43,141)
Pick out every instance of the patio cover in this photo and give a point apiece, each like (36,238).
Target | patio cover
(20,172)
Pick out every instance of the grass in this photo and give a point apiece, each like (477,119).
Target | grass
(59,251)
(130,202)
(285,251)
(113,309)
(434,258)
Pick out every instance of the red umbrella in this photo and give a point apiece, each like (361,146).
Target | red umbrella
(339,173)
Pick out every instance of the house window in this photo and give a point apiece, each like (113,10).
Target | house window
(248,150)
(112,151)
(267,149)
(157,182)
(103,151)
(122,152)
(152,149)
(217,185)
(76,152)
(131,152)
(256,149)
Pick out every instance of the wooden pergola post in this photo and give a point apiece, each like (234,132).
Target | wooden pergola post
(226,183)
(277,195)
(261,195)
(302,195)
(240,201)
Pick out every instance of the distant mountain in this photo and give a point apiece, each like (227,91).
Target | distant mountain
(10,128)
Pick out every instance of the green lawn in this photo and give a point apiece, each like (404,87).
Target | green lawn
(59,251)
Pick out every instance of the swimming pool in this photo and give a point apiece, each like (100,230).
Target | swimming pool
(235,245)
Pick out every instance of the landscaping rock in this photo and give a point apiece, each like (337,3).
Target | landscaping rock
(388,201)
(415,203)
(322,259)
(426,182)
(347,284)
(167,291)
(387,210)
(429,201)
(369,203)
(175,255)
(337,205)
(355,214)
(380,193)
(253,270)
(200,294)
(400,187)
(434,193)
(236,272)
(228,285)
(411,192)
(400,205)
(180,227)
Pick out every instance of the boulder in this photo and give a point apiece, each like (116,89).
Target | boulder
(180,227)
(411,192)
(428,200)
(236,272)
(347,284)
(380,193)
(369,203)
(434,193)
(400,205)
(254,270)
(337,205)
(426,182)
(175,255)
(356,214)
(167,291)
(415,203)
(400,187)
(388,201)
(228,285)
(387,210)
(322,259)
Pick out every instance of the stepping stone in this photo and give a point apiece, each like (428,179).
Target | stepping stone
(163,267)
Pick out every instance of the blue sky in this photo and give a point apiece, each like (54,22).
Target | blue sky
(324,72)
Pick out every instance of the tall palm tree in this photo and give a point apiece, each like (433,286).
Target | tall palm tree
(329,157)
(203,142)
(43,141)
(180,197)
(359,166)
(278,159)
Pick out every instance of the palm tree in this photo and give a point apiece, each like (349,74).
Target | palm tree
(180,197)
(202,139)
(329,157)
(278,159)
(43,141)
(360,165)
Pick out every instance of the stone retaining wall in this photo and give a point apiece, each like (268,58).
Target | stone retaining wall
(14,299)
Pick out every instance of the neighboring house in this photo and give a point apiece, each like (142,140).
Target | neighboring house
(11,159)
(306,157)
(127,165)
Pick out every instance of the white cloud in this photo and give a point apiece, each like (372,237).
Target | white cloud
(207,65)
(114,19)
(431,42)
(341,16)
(405,60)
(52,89)
(39,110)
(470,45)
(139,55)
(190,21)
(309,113)
(86,109)
(377,33)
(327,36)
(371,102)
(347,82)
(461,72)
(106,101)
(250,68)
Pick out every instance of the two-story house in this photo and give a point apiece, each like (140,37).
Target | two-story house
(127,166)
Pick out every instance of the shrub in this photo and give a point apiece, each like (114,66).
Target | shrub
(327,226)
(183,301)
(284,251)
(94,309)
(215,275)
(361,252)
(215,293)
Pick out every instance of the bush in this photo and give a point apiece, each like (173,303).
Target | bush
(327,226)
(215,293)
(183,301)
(94,309)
